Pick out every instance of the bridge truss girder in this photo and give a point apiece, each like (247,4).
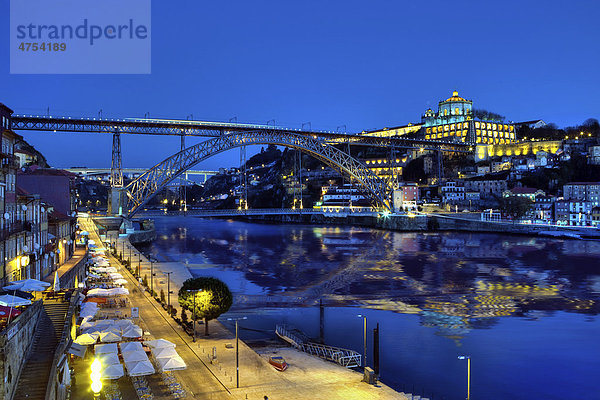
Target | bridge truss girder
(155,179)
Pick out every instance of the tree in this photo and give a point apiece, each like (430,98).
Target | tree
(184,317)
(515,206)
(145,280)
(213,298)
(162,295)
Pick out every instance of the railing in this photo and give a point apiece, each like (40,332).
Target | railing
(344,357)
(12,229)
(254,211)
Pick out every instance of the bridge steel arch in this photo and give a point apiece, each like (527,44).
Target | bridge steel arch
(142,189)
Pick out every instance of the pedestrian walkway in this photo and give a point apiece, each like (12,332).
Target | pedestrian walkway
(208,378)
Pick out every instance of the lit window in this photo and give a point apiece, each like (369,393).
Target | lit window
(445,111)
(465,132)
(489,126)
(452,126)
(456,111)
(476,124)
(446,128)
(494,126)
(478,132)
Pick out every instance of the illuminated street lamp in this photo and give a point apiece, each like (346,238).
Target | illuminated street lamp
(468,358)
(237,353)
(194,291)
(364,317)
(96,377)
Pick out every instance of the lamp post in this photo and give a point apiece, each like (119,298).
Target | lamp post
(96,377)
(152,277)
(468,358)
(139,268)
(194,291)
(237,353)
(168,288)
(364,317)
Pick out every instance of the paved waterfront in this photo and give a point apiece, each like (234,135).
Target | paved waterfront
(307,377)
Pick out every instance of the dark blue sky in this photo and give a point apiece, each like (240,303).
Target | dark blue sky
(363,64)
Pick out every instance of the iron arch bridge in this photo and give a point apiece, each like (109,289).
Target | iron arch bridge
(142,189)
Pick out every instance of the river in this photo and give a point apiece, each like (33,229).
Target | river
(525,309)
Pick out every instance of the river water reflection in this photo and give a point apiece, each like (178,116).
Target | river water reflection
(525,309)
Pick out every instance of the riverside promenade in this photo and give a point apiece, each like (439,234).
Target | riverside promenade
(307,378)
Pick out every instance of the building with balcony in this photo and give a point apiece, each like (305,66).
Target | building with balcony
(585,191)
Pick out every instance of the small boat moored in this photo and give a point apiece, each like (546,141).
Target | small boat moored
(278,363)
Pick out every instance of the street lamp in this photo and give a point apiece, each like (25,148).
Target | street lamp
(168,288)
(194,291)
(237,353)
(96,377)
(364,317)
(468,358)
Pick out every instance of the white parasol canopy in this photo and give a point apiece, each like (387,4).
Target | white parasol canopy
(132,332)
(97,293)
(113,371)
(134,356)
(28,285)
(159,343)
(108,358)
(84,233)
(120,281)
(172,364)
(165,352)
(140,368)
(130,346)
(86,339)
(119,291)
(13,301)
(109,337)
(106,348)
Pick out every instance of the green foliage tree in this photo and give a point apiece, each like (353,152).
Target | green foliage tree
(516,206)
(145,280)
(214,299)
(162,295)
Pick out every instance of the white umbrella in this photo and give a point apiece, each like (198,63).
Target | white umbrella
(140,368)
(86,339)
(84,233)
(159,343)
(130,346)
(172,364)
(132,332)
(111,269)
(13,301)
(135,356)
(28,285)
(97,293)
(91,241)
(120,281)
(106,348)
(123,323)
(109,337)
(115,275)
(113,371)
(77,350)
(56,285)
(165,352)
(118,292)
(108,358)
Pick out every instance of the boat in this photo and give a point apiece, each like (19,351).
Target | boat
(278,363)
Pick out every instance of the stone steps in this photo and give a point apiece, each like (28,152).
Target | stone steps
(36,371)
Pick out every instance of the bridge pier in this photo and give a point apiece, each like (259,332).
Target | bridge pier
(117,201)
